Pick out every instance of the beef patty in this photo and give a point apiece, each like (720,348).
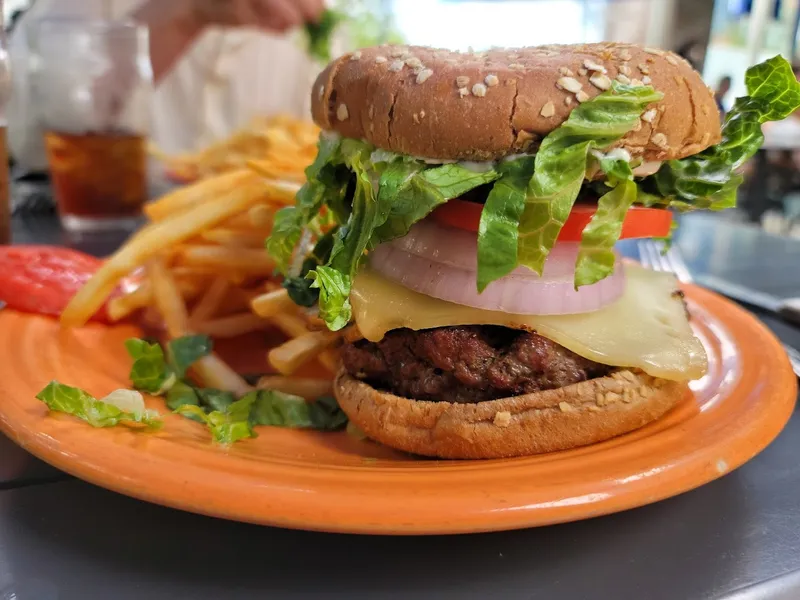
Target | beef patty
(466,364)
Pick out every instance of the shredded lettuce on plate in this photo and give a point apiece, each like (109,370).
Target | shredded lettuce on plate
(267,407)
(162,371)
(97,413)
(369,196)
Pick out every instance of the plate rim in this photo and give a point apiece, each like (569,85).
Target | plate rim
(695,472)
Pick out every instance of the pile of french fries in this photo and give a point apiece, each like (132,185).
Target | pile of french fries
(199,267)
(279,147)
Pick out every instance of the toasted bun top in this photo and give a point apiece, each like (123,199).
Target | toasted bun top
(441,104)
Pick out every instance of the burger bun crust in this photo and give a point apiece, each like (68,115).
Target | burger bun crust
(576,415)
(439,104)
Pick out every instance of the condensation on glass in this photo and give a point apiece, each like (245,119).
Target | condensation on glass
(92,90)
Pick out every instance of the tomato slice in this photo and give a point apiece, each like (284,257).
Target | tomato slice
(43,279)
(640,222)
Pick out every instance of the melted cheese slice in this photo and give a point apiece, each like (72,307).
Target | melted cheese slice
(647,328)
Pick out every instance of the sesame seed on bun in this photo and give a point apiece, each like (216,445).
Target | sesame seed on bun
(442,104)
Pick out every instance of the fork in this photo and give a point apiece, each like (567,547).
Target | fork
(653,256)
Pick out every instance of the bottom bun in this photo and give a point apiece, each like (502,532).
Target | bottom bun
(575,415)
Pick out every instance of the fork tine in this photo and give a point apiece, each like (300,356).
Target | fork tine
(679,265)
(657,249)
(644,255)
(649,255)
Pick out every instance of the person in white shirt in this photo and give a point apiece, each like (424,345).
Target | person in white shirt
(216,63)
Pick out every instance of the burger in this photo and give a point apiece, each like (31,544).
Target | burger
(459,225)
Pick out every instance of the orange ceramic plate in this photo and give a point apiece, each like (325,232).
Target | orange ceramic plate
(333,482)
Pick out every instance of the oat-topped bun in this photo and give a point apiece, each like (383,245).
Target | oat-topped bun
(482,106)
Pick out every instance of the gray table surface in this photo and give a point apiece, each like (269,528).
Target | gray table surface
(736,538)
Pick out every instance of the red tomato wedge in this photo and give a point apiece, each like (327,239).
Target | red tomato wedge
(43,279)
(639,222)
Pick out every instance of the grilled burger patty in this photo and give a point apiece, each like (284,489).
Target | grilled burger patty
(466,364)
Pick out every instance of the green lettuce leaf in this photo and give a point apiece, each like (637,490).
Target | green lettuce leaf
(498,231)
(327,415)
(74,401)
(266,407)
(454,180)
(322,178)
(561,164)
(596,253)
(215,400)
(154,371)
(393,201)
(351,240)
(182,394)
(710,179)
(346,169)
(150,372)
(183,352)
(334,296)
(300,288)
(228,425)
(285,410)
(409,191)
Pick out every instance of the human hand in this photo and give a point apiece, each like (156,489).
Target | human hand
(273,15)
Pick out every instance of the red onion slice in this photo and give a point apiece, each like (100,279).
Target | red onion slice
(441,262)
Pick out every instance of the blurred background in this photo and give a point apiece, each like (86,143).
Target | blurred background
(232,119)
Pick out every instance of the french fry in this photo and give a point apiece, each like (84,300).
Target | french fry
(238,260)
(209,303)
(231,238)
(237,222)
(310,389)
(267,169)
(330,360)
(292,325)
(214,373)
(352,333)
(236,301)
(122,306)
(282,147)
(272,303)
(167,299)
(261,216)
(211,371)
(233,326)
(149,242)
(244,180)
(142,297)
(288,357)
(200,274)
(315,323)
(205,245)
(186,197)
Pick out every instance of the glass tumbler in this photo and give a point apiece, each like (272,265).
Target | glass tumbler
(92,88)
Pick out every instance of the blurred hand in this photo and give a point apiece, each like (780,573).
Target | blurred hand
(272,15)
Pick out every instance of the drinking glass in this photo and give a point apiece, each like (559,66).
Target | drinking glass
(92,87)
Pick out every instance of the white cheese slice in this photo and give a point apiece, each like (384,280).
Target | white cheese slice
(647,328)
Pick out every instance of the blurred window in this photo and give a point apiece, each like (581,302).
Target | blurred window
(480,24)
